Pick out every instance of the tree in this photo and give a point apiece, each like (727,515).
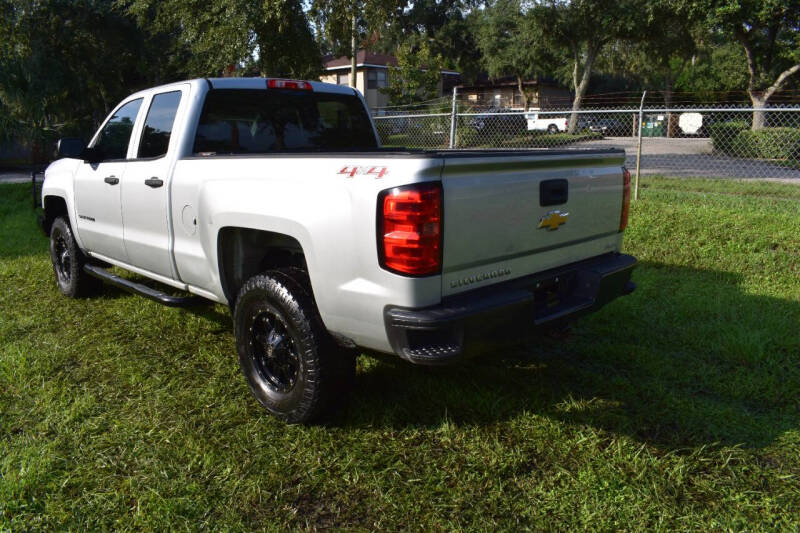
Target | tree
(667,44)
(720,68)
(769,33)
(512,43)
(269,37)
(64,64)
(444,26)
(416,77)
(346,23)
(582,29)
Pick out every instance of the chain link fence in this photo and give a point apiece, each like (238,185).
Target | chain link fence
(715,142)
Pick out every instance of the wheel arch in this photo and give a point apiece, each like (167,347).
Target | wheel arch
(54,206)
(244,252)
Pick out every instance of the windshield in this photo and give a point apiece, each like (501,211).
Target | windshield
(260,121)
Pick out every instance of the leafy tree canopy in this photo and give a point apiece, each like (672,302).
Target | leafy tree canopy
(266,37)
(65,63)
(416,77)
(512,42)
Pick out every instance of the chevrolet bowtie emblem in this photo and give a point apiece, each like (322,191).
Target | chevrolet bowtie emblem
(553,220)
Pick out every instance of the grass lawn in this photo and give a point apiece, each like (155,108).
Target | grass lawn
(677,407)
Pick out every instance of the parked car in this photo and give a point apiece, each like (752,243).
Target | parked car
(274,198)
(499,120)
(611,127)
(583,123)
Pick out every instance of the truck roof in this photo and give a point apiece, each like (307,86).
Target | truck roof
(248,83)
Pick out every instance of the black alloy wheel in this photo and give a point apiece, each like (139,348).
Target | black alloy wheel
(273,351)
(291,364)
(68,261)
(62,260)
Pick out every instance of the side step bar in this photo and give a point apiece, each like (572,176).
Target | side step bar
(142,290)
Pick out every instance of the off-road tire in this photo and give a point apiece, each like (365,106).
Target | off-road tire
(68,261)
(291,364)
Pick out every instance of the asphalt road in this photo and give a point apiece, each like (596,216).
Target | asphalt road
(692,157)
(15,177)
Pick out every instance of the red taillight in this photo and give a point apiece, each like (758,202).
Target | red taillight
(410,229)
(626,198)
(288,84)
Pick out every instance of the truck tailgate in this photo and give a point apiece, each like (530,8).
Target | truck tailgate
(493,209)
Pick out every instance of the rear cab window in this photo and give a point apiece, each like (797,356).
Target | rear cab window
(158,125)
(262,121)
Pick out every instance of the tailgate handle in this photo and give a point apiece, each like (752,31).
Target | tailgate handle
(553,192)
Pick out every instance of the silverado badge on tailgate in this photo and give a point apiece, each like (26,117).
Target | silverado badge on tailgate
(553,220)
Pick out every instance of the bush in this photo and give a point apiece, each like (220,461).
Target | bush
(769,143)
(723,135)
(468,137)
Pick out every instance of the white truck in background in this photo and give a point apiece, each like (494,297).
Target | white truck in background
(274,197)
(550,124)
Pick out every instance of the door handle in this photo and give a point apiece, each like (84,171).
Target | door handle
(112,180)
(154,182)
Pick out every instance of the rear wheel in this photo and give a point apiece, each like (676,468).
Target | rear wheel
(68,261)
(291,364)
(552,128)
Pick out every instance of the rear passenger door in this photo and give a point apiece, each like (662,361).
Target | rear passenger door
(146,185)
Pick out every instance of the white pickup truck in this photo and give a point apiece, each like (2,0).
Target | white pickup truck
(274,197)
(548,123)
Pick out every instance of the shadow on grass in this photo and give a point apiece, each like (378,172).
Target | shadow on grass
(206,308)
(688,359)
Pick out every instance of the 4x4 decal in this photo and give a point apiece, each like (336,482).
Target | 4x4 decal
(353,171)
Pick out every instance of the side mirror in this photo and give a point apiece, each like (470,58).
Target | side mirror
(92,155)
(70,147)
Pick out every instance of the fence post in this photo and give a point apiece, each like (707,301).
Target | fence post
(639,149)
(453,120)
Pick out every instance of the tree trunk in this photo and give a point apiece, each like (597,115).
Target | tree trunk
(353,53)
(522,93)
(580,86)
(759,99)
(759,117)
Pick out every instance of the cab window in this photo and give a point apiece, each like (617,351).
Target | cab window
(243,121)
(158,125)
(113,140)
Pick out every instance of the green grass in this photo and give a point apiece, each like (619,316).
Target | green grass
(677,407)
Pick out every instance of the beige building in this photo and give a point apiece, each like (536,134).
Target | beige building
(372,73)
(504,92)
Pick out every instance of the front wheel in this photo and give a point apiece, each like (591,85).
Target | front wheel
(291,364)
(68,261)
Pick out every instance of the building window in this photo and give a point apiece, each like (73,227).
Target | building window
(343,78)
(376,79)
